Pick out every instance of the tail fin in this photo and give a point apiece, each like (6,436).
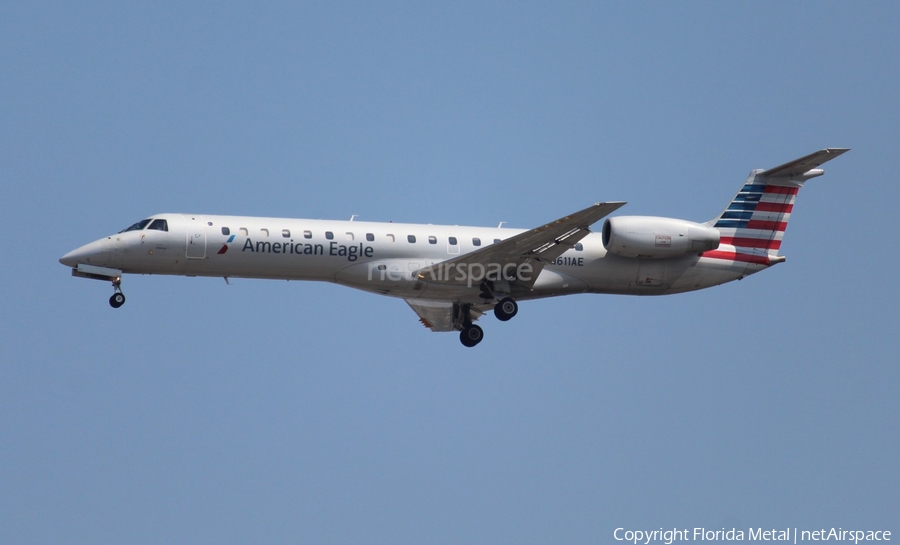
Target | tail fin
(758,215)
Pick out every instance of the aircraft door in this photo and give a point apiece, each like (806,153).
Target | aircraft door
(195,241)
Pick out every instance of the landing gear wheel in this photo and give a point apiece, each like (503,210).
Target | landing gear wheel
(471,335)
(506,309)
(117,300)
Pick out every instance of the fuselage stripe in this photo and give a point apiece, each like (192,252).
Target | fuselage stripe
(735,256)
(767,225)
(744,242)
(781,190)
(775,207)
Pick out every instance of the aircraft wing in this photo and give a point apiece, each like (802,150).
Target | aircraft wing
(440,315)
(804,164)
(537,247)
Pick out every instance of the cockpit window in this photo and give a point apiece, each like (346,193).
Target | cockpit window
(137,226)
(159,225)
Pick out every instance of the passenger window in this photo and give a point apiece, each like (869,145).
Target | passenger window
(370,237)
(476,241)
(390,238)
(137,226)
(432,240)
(226,231)
(496,240)
(452,241)
(244,231)
(579,247)
(349,236)
(263,232)
(286,233)
(307,234)
(329,235)
(159,225)
(411,239)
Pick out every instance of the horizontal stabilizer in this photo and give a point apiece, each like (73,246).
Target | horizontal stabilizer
(800,166)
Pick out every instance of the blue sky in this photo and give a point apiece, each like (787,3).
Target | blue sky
(292,412)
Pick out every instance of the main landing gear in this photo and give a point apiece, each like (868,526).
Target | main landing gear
(471,334)
(506,309)
(118,298)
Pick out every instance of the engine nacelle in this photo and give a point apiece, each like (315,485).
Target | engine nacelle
(647,236)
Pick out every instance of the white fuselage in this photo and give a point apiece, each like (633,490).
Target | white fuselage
(452,275)
(379,257)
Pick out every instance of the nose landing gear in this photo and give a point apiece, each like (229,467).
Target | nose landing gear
(105,274)
(118,298)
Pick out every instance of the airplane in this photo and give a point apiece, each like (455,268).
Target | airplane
(452,275)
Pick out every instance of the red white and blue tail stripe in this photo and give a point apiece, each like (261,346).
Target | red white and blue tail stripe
(753,225)
(758,215)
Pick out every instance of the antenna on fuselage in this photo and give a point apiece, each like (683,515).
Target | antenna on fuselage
(501,224)
(353,216)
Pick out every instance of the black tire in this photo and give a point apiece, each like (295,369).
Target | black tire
(117,300)
(506,309)
(471,335)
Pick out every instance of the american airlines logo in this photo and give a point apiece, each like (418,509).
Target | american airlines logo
(224,247)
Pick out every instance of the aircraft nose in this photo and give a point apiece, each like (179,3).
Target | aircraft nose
(70,259)
(94,253)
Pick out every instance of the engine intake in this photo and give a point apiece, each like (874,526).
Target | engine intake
(652,237)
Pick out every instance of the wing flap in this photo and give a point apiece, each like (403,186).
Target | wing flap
(440,315)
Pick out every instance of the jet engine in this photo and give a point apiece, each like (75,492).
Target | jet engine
(652,237)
